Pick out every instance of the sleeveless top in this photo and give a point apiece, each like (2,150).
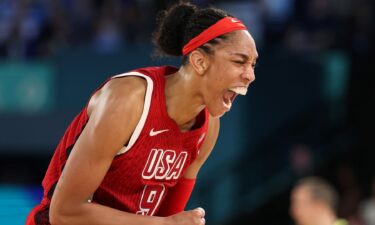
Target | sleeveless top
(154,159)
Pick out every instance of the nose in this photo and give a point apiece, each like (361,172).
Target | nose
(249,74)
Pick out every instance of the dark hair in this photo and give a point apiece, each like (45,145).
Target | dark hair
(181,23)
(320,190)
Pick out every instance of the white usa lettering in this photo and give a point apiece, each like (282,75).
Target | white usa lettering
(164,164)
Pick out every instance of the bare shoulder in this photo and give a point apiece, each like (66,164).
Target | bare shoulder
(120,93)
(115,110)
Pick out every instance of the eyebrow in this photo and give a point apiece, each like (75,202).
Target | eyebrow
(243,56)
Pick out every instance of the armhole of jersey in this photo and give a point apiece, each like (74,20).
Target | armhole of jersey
(146,107)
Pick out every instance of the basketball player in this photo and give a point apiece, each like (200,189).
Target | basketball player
(132,155)
(314,202)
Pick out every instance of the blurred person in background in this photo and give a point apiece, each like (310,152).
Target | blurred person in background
(367,207)
(132,155)
(350,193)
(314,202)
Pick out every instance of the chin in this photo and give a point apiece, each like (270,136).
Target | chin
(216,113)
(217,109)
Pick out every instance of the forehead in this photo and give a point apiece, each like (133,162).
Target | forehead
(239,43)
(301,192)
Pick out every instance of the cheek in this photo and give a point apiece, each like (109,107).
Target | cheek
(215,83)
(222,77)
(299,209)
(219,79)
(295,211)
(305,213)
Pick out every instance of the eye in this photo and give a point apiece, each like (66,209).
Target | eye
(239,62)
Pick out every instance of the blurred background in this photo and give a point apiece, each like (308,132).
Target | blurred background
(310,111)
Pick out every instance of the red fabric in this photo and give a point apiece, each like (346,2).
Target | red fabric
(177,197)
(39,215)
(225,25)
(138,180)
(30,217)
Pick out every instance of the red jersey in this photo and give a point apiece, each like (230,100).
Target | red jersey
(155,158)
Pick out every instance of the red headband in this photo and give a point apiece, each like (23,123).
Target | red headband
(225,25)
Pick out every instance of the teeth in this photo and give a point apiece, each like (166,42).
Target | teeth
(239,90)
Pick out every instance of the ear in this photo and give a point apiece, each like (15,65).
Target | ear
(199,61)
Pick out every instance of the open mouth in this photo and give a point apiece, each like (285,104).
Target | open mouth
(231,94)
(228,98)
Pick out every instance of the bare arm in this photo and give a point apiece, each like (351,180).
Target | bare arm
(114,113)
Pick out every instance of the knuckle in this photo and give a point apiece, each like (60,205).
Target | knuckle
(196,213)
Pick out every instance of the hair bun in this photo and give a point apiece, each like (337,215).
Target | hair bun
(169,36)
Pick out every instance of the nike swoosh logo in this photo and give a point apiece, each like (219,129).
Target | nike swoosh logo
(154,133)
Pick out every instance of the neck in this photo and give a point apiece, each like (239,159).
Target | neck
(183,100)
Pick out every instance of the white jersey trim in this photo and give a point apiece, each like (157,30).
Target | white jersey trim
(146,108)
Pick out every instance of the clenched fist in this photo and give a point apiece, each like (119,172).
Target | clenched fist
(192,217)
